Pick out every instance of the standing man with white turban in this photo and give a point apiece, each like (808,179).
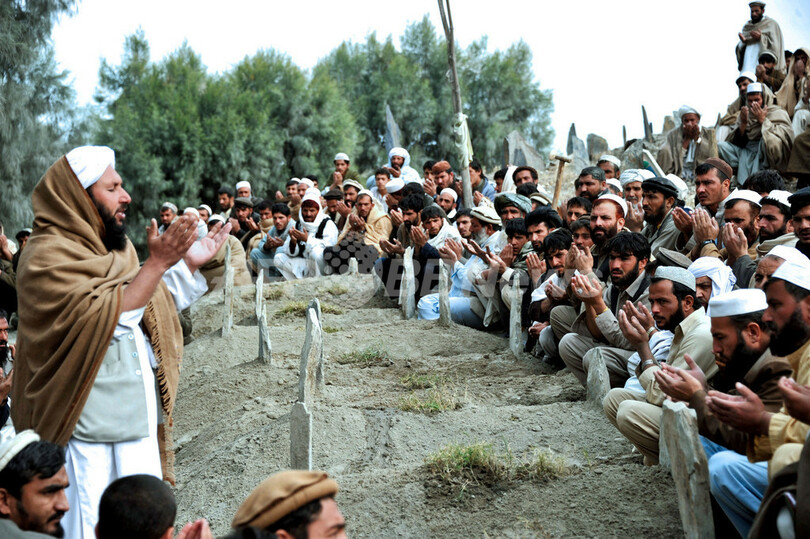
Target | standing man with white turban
(686,146)
(302,252)
(101,339)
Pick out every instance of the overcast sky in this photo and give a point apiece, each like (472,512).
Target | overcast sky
(603,60)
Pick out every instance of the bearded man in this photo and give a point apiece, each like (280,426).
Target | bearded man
(686,146)
(759,34)
(99,334)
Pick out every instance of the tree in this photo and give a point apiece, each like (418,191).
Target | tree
(37,108)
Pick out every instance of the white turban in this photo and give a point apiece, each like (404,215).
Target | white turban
(399,152)
(10,448)
(307,182)
(723,279)
(450,192)
(89,163)
(629,176)
(243,183)
(205,207)
(686,109)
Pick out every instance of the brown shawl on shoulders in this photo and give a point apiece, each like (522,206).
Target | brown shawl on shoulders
(71,293)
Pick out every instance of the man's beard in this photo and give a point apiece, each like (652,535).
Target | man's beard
(673,321)
(757,19)
(115,235)
(604,238)
(765,236)
(58,531)
(654,218)
(741,361)
(626,280)
(791,337)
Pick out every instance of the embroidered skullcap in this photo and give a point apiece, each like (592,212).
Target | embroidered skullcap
(205,207)
(746,75)
(777,195)
(745,194)
(676,275)
(351,183)
(307,182)
(615,183)
(11,447)
(486,214)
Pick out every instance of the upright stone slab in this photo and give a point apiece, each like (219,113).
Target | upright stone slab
(353,266)
(300,437)
(315,305)
(265,348)
(598,380)
(515,328)
(227,314)
(577,151)
(596,146)
(311,360)
(444,295)
(407,287)
(259,295)
(690,469)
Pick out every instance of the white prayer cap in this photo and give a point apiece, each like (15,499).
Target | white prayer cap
(754,88)
(723,279)
(615,183)
(243,183)
(798,274)
(89,163)
(789,254)
(676,275)
(395,185)
(216,218)
(646,174)
(307,182)
(10,448)
(205,207)
(619,201)
(737,302)
(745,194)
(747,75)
(683,189)
(365,192)
(610,159)
(192,211)
(449,192)
(352,183)
(342,157)
(686,109)
(629,176)
(779,196)
(168,206)
(296,180)
(486,214)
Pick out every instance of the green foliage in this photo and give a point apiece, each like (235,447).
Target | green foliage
(374,355)
(38,114)
(299,308)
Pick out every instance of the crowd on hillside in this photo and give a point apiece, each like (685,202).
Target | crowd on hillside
(702,300)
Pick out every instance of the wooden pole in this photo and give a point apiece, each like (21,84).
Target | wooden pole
(447,23)
(561,161)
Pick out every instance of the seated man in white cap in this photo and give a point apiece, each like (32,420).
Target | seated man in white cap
(214,269)
(32,487)
(761,138)
(120,320)
(294,504)
(302,252)
(686,146)
(343,171)
(741,217)
(360,238)
(396,191)
(447,201)
(672,308)
(597,325)
(205,212)
(168,213)
(611,165)
(774,437)
(740,345)
(244,190)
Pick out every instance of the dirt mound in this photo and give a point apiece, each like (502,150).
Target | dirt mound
(380,416)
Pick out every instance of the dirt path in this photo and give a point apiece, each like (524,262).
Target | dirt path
(232,426)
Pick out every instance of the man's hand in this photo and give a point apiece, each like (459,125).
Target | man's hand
(705,227)
(390,201)
(535,267)
(635,217)
(478,196)
(760,113)
(295,199)
(343,209)
(475,249)
(755,35)
(168,248)
(418,236)
(396,218)
(455,246)
(448,255)
(394,248)
(683,222)
(357,223)
(395,172)
(496,263)
(744,412)
(252,225)
(735,241)
(5,252)
(640,313)
(5,384)
(536,328)
(632,330)
(202,251)
(760,72)
(196,530)
(430,187)
(797,399)
(589,291)
(234,222)
(583,260)
(555,292)
(272,243)
(299,235)
(741,36)
(337,178)
(279,195)
(677,383)
(743,118)
(508,255)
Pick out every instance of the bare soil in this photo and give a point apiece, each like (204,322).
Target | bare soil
(232,426)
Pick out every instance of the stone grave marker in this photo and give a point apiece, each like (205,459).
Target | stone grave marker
(598,380)
(444,295)
(227,314)
(311,366)
(515,328)
(300,437)
(407,289)
(353,267)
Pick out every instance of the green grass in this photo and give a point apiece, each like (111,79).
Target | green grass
(366,357)
(442,395)
(274,293)
(299,308)
(480,462)
(336,290)
(331,329)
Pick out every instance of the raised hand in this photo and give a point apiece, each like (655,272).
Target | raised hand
(744,412)
(797,399)
(705,226)
(202,251)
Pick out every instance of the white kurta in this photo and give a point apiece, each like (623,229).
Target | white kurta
(93,466)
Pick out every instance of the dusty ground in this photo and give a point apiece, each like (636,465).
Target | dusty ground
(232,427)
